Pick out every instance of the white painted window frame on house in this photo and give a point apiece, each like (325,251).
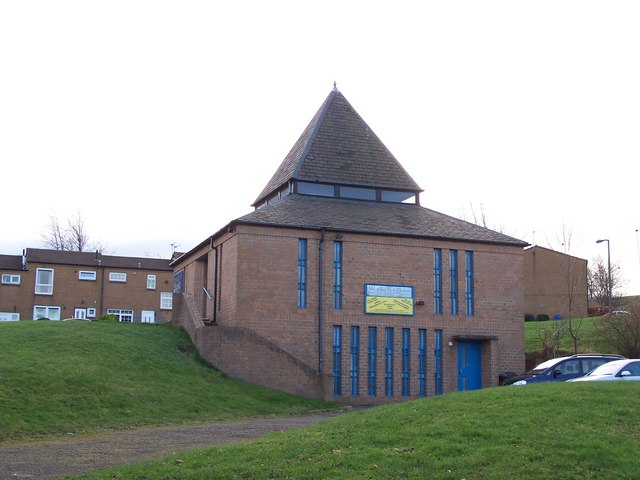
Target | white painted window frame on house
(123,315)
(148,316)
(9,316)
(42,287)
(89,275)
(118,277)
(151,282)
(46,311)
(166,300)
(10,279)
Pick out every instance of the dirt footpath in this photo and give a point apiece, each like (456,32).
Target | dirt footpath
(71,456)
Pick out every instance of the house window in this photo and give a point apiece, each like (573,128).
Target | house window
(151,282)
(9,317)
(438,361)
(91,313)
(388,362)
(422,362)
(355,361)
(337,360)
(86,275)
(437,281)
(469,283)
(44,281)
(302,273)
(406,362)
(316,189)
(41,311)
(358,193)
(372,361)
(453,277)
(166,300)
(117,277)
(337,275)
(10,279)
(122,315)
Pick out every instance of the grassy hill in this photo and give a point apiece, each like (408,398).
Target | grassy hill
(81,377)
(538,432)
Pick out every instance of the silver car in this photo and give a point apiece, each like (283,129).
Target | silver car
(625,370)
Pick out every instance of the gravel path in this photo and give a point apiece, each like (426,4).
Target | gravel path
(53,459)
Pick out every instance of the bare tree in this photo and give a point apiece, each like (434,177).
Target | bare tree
(621,333)
(73,237)
(599,282)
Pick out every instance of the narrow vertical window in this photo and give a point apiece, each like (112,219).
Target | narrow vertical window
(337,360)
(406,362)
(44,281)
(302,273)
(388,362)
(453,274)
(337,275)
(422,362)
(151,282)
(469,282)
(437,281)
(438,361)
(372,359)
(355,361)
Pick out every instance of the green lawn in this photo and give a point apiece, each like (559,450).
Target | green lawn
(82,377)
(537,432)
(585,329)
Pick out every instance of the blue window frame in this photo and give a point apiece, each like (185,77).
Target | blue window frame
(453,276)
(337,275)
(422,362)
(302,273)
(406,362)
(469,283)
(337,360)
(438,362)
(388,362)
(437,281)
(355,361)
(372,359)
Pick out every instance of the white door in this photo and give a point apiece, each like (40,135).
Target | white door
(148,316)
(80,313)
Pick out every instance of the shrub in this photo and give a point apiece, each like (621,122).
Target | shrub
(528,317)
(108,318)
(620,333)
(542,317)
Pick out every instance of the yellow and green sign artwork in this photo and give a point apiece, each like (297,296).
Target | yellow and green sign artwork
(388,299)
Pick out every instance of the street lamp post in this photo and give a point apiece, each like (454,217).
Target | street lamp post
(609,289)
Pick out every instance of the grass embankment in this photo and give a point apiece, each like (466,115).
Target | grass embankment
(583,326)
(83,377)
(545,431)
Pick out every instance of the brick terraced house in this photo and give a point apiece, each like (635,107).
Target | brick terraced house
(339,285)
(57,285)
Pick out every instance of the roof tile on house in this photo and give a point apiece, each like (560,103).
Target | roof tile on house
(95,259)
(301,211)
(10,262)
(339,147)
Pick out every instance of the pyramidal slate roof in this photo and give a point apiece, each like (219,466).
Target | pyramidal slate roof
(338,147)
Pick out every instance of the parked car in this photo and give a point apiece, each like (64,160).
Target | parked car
(562,369)
(623,370)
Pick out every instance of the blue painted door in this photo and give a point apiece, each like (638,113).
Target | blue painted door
(469,366)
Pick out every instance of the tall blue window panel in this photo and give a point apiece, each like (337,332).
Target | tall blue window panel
(438,363)
(372,359)
(422,362)
(355,361)
(388,362)
(406,362)
(453,277)
(437,281)
(337,275)
(302,273)
(468,256)
(337,360)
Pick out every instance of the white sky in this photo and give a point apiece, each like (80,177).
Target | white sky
(161,121)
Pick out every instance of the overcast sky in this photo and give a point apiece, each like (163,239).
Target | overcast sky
(160,122)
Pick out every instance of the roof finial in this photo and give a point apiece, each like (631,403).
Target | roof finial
(335,87)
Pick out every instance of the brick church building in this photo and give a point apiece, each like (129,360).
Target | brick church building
(340,285)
